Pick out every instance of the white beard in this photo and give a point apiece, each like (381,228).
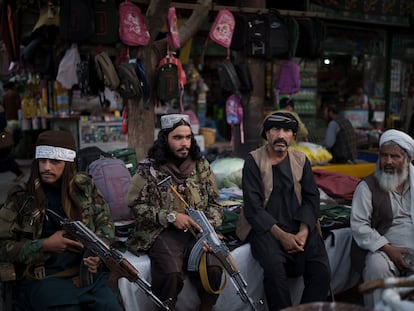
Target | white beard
(390,182)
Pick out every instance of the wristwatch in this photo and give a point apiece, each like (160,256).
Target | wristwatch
(171,217)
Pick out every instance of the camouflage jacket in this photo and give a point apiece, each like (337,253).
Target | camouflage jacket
(151,203)
(21,223)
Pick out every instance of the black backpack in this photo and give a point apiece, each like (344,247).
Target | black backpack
(277,36)
(143,78)
(312,33)
(87,155)
(77,20)
(106,22)
(243,72)
(250,34)
(228,78)
(129,85)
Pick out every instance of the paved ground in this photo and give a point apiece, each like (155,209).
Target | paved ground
(6,179)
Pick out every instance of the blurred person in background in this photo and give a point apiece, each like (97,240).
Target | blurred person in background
(340,137)
(12,105)
(407,110)
(288,104)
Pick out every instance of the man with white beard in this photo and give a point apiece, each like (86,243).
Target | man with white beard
(382,214)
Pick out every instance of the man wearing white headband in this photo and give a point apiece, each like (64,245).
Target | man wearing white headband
(46,261)
(382,214)
(280,213)
(163,228)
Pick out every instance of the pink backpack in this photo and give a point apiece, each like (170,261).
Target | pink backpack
(222,29)
(173,38)
(234,114)
(132,28)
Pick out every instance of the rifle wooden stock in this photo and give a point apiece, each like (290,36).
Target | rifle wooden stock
(390,282)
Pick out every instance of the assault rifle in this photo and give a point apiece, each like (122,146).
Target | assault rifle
(113,259)
(219,248)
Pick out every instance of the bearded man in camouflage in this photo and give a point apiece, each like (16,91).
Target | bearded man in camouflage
(47,263)
(162,226)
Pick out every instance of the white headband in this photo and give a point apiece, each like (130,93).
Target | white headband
(55,153)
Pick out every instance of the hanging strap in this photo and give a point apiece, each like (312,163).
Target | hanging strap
(204,277)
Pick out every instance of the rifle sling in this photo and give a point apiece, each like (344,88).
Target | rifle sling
(204,277)
(41,274)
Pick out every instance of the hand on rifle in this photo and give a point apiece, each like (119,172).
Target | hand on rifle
(58,243)
(185,222)
(92,263)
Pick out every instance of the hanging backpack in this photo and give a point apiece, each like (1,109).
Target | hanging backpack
(129,84)
(277,36)
(113,178)
(173,38)
(76,20)
(250,34)
(171,79)
(106,22)
(143,78)
(106,70)
(243,72)
(312,33)
(234,114)
(228,78)
(288,81)
(132,28)
(221,32)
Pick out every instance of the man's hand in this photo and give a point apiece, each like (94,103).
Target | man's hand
(92,263)
(58,243)
(290,242)
(185,222)
(396,254)
(302,235)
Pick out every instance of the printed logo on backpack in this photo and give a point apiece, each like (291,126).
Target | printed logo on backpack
(132,28)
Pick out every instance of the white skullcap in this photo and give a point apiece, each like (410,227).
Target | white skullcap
(168,120)
(400,138)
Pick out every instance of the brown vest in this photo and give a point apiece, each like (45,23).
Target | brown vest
(262,159)
(381,220)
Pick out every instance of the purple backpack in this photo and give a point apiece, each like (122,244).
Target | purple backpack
(289,78)
(112,178)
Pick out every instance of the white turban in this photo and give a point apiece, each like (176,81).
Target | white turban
(400,138)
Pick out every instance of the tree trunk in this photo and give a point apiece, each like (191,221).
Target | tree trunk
(254,110)
(141,121)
